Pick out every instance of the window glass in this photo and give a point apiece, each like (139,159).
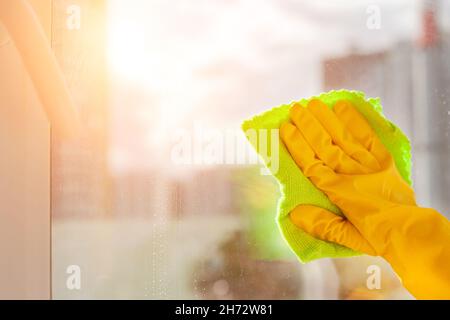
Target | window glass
(160,196)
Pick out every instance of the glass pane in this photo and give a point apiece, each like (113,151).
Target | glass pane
(160,196)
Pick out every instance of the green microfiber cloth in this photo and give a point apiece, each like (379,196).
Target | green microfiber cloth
(296,189)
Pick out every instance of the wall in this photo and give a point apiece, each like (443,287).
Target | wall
(25,177)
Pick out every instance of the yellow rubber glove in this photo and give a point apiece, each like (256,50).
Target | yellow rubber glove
(341,154)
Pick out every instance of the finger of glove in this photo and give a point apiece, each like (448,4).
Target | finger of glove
(304,156)
(321,143)
(325,225)
(341,136)
(361,130)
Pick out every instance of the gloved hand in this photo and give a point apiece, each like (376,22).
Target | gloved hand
(341,154)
